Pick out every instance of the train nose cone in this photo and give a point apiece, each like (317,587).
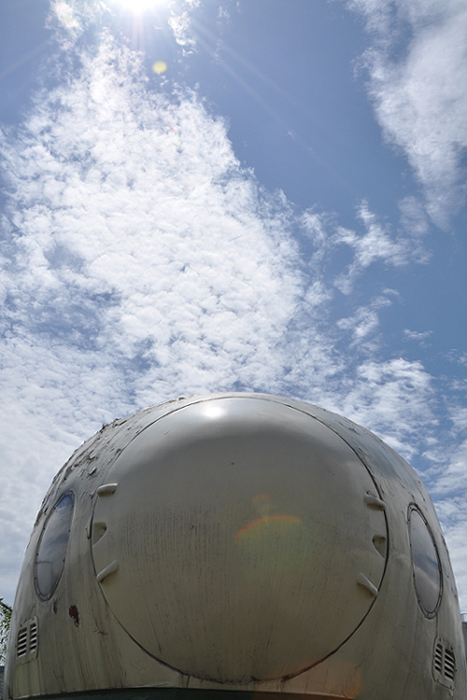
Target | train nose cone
(239,539)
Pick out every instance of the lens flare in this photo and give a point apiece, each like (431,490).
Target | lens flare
(159,67)
(267,525)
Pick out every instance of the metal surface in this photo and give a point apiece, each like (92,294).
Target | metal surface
(240,542)
(240,513)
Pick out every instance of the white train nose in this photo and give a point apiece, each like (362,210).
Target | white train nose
(239,539)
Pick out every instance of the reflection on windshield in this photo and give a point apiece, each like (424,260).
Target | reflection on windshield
(50,555)
(426,565)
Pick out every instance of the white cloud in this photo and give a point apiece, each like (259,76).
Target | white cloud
(419,336)
(452,479)
(136,208)
(394,399)
(414,222)
(420,91)
(375,244)
(365,321)
(181,26)
(449,490)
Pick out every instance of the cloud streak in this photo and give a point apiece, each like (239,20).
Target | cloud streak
(418,69)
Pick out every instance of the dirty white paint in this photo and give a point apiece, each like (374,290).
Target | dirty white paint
(239,541)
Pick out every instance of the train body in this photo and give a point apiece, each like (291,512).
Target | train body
(236,545)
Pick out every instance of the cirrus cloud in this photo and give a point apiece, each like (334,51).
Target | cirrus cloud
(417,65)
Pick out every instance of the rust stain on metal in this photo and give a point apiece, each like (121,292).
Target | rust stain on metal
(73,613)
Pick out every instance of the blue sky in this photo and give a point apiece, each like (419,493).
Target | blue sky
(282,209)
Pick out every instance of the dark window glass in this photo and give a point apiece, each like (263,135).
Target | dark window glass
(50,556)
(426,564)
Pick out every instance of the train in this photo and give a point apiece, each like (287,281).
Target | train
(236,546)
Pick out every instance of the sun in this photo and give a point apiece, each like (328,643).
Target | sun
(139,6)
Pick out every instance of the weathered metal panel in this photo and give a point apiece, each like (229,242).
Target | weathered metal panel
(239,542)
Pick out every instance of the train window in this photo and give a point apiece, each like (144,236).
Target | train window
(425,561)
(50,555)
